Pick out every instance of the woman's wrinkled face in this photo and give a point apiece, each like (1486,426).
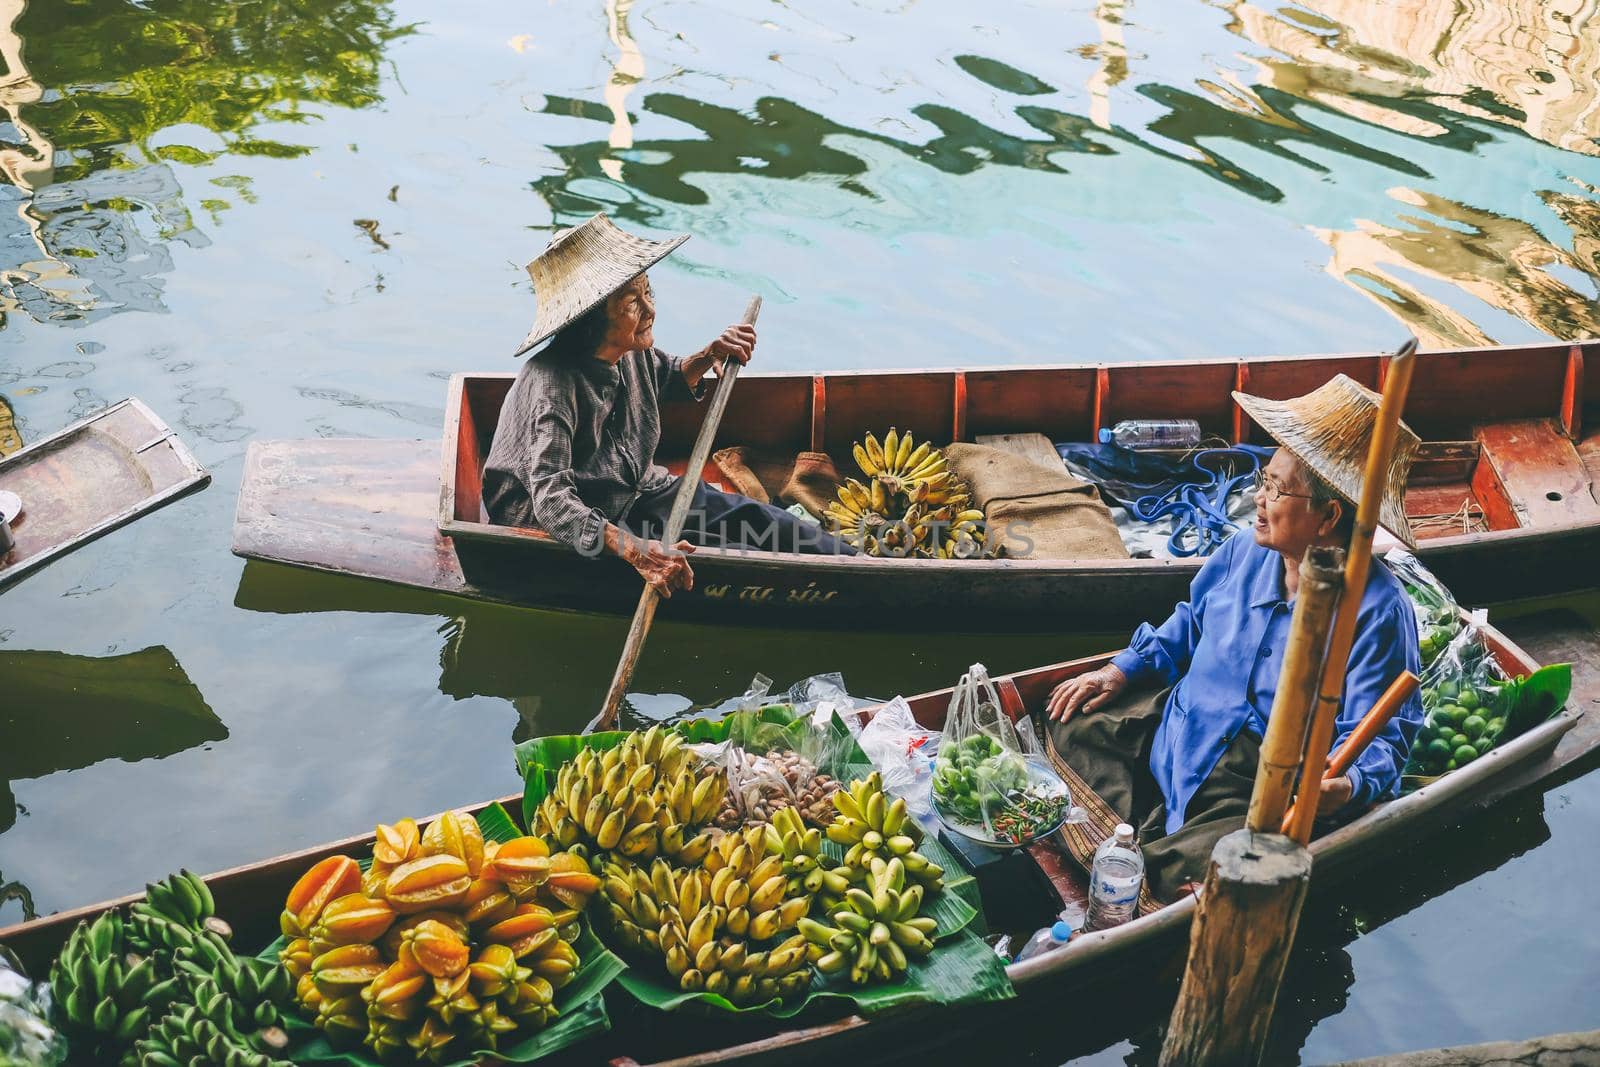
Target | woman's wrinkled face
(1286,519)
(631,317)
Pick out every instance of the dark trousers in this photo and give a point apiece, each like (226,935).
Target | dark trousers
(728,520)
(1110,751)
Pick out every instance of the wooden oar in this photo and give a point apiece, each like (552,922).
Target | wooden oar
(646,611)
(1370,726)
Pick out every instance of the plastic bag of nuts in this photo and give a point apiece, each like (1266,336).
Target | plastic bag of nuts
(760,785)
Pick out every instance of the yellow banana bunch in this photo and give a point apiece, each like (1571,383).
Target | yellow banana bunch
(640,799)
(912,506)
(877,930)
(701,926)
(873,826)
(808,870)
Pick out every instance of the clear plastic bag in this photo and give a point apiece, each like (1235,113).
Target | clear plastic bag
(820,696)
(772,765)
(902,749)
(985,785)
(1438,614)
(1465,699)
(26,1036)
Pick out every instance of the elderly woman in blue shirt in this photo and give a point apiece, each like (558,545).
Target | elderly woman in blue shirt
(1168,733)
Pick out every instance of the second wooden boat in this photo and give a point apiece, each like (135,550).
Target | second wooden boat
(251,897)
(1502,497)
(90,478)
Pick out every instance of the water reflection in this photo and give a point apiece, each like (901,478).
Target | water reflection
(1532,64)
(91,129)
(554,666)
(1503,262)
(62,712)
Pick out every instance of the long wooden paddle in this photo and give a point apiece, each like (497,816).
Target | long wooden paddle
(645,613)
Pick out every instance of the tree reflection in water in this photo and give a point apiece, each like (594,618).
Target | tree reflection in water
(93,201)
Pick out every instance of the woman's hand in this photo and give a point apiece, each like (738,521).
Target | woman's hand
(1086,692)
(738,343)
(1336,793)
(664,568)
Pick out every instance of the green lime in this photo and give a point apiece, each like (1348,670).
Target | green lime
(1460,739)
(1454,714)
(1495,726)
(1439,749)
(1473,726)
(1447,689)
(1464,755)
(1482,744)
(1468,699)
(1448,767)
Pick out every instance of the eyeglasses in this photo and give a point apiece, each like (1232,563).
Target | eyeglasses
(1273,489)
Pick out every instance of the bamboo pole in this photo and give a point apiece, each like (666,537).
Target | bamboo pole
(1370,726)
(1357,565)
(645,613)
(1321,578)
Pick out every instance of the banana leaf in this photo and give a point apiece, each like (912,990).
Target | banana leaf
(1538,698)
(961,969)
(581,1004)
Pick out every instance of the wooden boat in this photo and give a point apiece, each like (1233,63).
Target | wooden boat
(90,478)
(1503,430)
(251,897)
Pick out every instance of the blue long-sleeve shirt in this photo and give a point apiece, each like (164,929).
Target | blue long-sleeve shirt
(1222,652)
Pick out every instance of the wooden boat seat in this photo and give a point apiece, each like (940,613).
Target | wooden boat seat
(1532,468)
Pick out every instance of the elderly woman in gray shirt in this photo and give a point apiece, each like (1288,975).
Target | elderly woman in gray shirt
(574,450)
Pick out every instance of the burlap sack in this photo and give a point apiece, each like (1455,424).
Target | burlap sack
(814,484)
(808,479)
(1036,512)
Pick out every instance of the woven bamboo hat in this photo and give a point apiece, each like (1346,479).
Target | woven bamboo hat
(584,265)
(1330,429)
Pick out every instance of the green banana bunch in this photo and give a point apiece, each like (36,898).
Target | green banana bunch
(105,992)
(179,902)
(872,826)
(876,933)
(640,799)
(191,1034)
(808,870)
(701,923)
(253,990)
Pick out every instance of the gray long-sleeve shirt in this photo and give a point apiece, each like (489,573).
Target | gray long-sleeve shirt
(576,443)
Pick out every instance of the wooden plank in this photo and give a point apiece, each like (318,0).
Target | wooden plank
(1555,1050)
(1033,447)
(1544,478)
(351,506)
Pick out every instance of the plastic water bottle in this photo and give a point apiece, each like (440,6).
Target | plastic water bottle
(1153,433)
(1046,940)
(1115,880)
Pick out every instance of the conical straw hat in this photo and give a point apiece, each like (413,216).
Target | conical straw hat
(584,265)
(1330,429)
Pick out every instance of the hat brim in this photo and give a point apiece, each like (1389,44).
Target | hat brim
(1287,426)
(582,268)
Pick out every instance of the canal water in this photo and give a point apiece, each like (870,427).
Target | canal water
(289,222)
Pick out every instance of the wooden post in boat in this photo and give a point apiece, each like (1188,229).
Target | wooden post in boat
(1257,880)
(645,613)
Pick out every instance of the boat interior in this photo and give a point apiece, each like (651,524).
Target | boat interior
(1511,435)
